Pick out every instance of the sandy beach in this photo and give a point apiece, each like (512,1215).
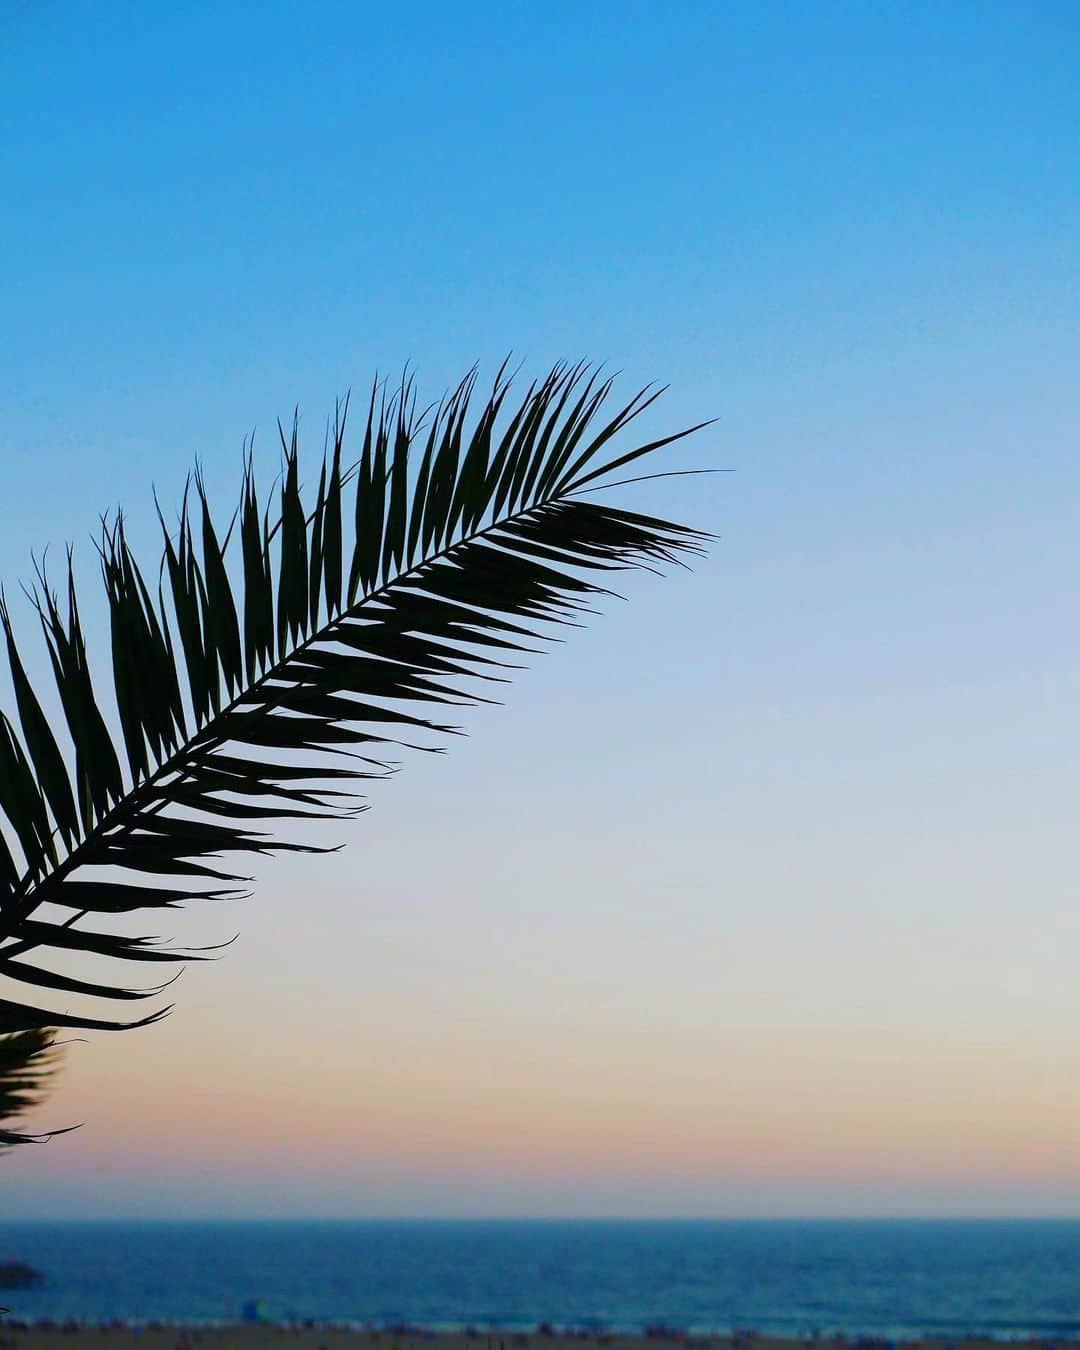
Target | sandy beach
(255,1337)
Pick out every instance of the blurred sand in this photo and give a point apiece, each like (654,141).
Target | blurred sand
(256,1337)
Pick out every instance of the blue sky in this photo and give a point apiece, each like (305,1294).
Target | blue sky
(812,807)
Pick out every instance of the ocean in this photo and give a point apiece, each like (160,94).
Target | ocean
(1008,1279)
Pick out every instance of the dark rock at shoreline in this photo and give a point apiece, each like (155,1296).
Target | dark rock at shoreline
(18,1275)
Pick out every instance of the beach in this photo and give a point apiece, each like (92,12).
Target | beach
(73,1336)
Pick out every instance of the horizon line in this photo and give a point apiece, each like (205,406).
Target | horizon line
(543,1218)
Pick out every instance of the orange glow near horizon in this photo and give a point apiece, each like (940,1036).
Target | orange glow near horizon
(846,1108)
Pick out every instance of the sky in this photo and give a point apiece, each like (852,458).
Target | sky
(760,896)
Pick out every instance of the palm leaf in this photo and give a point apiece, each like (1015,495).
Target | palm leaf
(265,683)
(27,1061)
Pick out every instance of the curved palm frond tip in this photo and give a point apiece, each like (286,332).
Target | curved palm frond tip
(263,684)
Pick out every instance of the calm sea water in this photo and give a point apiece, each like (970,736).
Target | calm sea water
(1008,1279)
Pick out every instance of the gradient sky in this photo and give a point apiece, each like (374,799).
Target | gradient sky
(762,895)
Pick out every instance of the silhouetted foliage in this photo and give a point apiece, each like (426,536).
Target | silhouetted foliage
(270,666)
(27,1061)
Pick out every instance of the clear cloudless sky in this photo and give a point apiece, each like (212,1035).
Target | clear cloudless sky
(762,895)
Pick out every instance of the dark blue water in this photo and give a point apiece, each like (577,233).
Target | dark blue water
(1006,1278)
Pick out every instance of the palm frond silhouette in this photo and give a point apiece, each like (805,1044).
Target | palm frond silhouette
(28,1059)
(262,685)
